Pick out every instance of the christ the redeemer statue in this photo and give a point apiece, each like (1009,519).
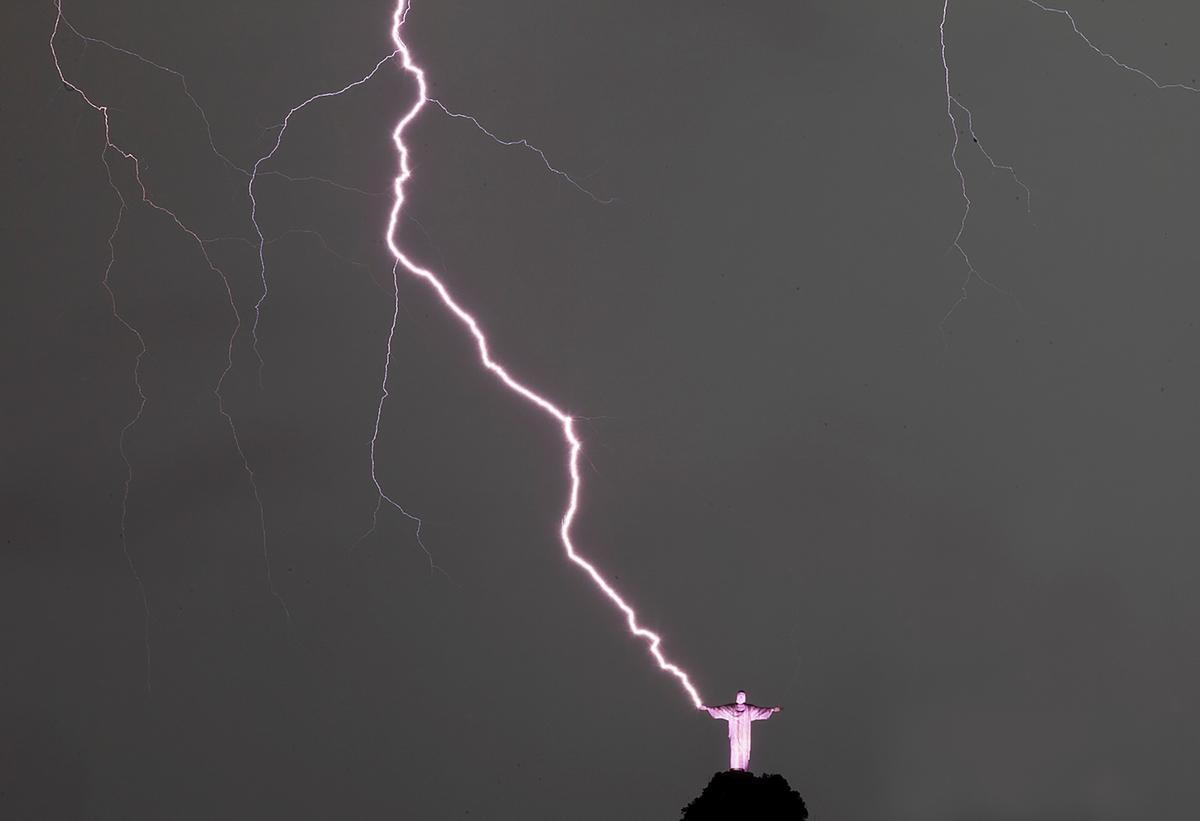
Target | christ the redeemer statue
(739,715)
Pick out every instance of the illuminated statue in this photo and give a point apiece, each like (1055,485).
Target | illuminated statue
(739,715)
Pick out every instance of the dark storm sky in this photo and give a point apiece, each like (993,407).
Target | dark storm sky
(965,566)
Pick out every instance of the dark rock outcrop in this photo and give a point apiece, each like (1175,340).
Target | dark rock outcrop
(741,796)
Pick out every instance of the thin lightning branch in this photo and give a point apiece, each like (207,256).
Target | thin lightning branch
(1110,57)
(962,181)
(137,165)
(383,397)
(324,181)
(106,283)
(254,171)
(953,102)
(233,166)
(524,144)
(1012,172)
(289,232)
(178,75)
(571,441)
(972,272)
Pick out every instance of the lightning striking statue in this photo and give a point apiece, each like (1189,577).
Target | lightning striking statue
(739,715)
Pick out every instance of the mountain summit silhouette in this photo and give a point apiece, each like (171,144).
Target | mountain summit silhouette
(736,795)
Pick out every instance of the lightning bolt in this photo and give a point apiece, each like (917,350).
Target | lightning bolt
(572,443)
(953,103)
(566,423)
(137,165)
(251,174)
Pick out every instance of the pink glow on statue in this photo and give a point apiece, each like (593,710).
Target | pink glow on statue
(565,421)
(740,715)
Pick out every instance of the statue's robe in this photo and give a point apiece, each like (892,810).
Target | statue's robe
(739,717)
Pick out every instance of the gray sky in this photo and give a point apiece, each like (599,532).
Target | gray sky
(960,554)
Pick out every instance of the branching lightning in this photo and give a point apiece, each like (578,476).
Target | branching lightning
(251,175)
(136,164)
(281,129)
(957,114)
(571,441)
(953,103)
(60,19)
(382,494)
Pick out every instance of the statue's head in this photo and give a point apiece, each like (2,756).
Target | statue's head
(741,697)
